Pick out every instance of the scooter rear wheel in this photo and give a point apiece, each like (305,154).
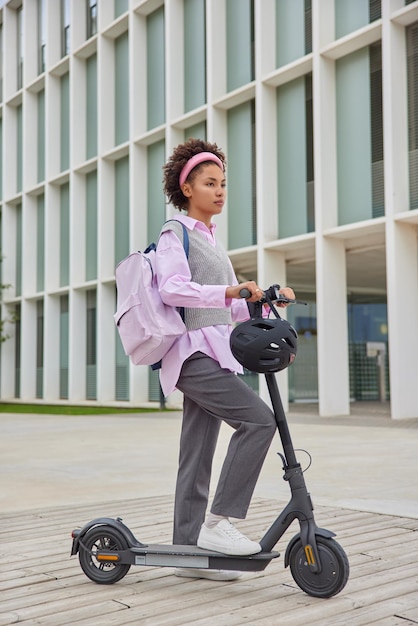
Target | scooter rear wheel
(334,568)
(98,539)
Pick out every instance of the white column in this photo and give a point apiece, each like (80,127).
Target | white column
(216,86)
(77,346)
(402,279)
(401,238)
(138,74)
(30,145)
(53,37)
(28,310)
(174,64)
(331,288)
(51,302)
(138,384)
(105,358)
(272,270)
(51,348)
(215,48)
(28,350)
(8,349)
(9,52)
(332,324)
(78,110)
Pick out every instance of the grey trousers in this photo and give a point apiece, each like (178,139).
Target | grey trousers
(213,395)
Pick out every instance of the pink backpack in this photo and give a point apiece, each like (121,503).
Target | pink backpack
(147,327)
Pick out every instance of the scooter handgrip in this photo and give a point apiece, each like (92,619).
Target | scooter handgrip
(245,293)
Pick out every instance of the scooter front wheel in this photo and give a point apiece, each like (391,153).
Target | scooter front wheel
(97,568)
(334,568)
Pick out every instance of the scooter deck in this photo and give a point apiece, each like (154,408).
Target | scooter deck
(191,556)
(165,555)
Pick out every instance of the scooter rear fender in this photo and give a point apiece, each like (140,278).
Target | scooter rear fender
(117,524)
(321,532)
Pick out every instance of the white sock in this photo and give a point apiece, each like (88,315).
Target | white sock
(212,520)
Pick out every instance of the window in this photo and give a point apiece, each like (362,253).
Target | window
(359,135)
(121,209)
(91,18)
(64,347)
(91,349)
(122,89)
(65,27)
(20,41)
(1,158)
(366,320)
(91,226)
(121,6)
(239,43)
(375,10)
(412,65)
(156,199)
(41,136)
(65,121)
(91,107)
(293,30)
(197,131)
(18,333)
(308,26)
(376,121)
(19,148)
(64,235)
(295,157)
(310,171)
(349,16)
(194,54)
(41,36)
(121,371)
(155,69)
(40,243)
(1,62)
(39,348)
(18,274)
(242,225)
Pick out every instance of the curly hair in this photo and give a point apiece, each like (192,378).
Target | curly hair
(181,154)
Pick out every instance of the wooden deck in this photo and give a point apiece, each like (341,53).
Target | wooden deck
(41,584)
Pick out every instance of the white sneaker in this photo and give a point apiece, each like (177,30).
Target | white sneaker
(211,574)
(225,538)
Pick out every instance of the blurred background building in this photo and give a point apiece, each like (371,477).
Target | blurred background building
(315,103)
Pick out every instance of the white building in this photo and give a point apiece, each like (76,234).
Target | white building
(315,104)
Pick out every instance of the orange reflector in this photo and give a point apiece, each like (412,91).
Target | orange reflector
(309,555)
(107,557)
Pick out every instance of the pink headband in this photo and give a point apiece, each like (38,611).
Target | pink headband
(201,157)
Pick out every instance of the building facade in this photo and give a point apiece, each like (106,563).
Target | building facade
(315,103)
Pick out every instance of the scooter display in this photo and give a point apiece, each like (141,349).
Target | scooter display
(107,548)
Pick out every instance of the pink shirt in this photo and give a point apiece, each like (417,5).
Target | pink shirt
(177,289)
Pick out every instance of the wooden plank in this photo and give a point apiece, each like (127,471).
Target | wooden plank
(391,611)
(41,584)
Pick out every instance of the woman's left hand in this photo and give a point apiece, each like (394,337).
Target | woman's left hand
(288,293)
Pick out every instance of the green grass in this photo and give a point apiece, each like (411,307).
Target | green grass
(53,409)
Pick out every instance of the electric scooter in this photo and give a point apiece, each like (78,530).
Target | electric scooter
(107,548)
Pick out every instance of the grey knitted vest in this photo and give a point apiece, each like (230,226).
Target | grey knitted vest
(209,265)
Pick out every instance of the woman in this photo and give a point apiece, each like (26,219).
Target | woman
(201,365)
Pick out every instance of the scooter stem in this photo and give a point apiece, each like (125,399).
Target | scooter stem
(279,414)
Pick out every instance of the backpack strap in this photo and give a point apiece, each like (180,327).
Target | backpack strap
(157,366)
(186,251)
(185,236)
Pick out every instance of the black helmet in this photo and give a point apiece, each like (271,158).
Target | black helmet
(264,345)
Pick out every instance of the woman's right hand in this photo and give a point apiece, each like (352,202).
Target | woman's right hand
(253,288)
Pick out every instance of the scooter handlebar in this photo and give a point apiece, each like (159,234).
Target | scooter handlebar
(272,294)
(245,293)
